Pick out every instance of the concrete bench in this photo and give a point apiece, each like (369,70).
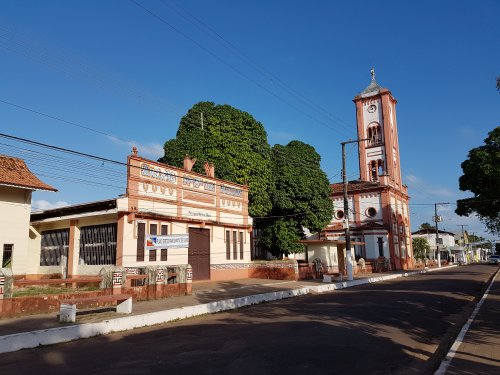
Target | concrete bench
(67,310)
(329,277)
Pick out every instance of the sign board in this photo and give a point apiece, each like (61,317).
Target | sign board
(170,241)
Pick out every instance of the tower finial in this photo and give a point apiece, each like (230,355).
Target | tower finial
(372,72)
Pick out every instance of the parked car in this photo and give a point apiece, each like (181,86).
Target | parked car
(494,259)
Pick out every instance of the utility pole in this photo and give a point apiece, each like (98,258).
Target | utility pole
(436,220)
(201,116)
(346,211)
(463,235)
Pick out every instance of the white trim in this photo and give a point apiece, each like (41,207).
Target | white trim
(76,216)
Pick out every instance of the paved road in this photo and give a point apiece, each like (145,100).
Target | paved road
(397,327)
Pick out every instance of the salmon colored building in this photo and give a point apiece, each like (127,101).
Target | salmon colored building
(378,217)
(168,216)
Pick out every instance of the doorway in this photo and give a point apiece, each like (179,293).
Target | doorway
(199,253)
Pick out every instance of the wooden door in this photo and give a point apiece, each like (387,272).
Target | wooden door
(199,253)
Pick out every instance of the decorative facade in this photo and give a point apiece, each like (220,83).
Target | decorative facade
(168,216)
(378,218)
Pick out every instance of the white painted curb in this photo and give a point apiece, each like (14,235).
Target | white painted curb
(27,340)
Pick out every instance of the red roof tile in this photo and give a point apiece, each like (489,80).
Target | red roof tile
(15,172)
(355,185)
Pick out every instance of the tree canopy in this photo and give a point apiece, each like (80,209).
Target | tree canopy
(426,226)
(481,176)
(301,198)
(231,139)
(420,247)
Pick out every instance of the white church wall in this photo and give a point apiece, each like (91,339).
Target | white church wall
(368,201)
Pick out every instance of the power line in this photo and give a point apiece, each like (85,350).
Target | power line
(232,67)
(249,61)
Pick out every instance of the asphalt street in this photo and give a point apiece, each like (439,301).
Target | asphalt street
(404,326)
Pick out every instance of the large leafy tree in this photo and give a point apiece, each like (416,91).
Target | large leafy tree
(420,247)
(231,139)
(301,198)
(482,177)
(426,226)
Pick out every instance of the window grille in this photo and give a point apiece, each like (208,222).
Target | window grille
(54,245)
(7,255)
(98,244)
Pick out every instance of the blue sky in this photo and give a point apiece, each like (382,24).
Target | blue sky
(119,73)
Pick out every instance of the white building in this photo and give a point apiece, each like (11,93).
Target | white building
(16,186)
(446,242)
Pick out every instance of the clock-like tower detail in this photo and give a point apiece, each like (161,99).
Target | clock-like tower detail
(378,215)
(376,121)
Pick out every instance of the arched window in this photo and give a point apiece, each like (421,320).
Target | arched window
(380,164)
(374,134)
(373,170)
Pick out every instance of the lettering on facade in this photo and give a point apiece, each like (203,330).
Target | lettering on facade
(157,173)
(167,241)
(200,214)
(234,192)
(198,183)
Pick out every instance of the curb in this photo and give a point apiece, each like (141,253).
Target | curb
(33,339)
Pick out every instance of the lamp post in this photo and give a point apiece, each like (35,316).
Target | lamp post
(346,211)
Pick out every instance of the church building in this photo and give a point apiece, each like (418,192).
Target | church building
(378,217)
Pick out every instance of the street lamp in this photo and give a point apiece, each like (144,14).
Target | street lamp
(346,211)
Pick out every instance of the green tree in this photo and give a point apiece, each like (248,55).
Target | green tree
(301,198)
(481,176)
(426,226)
(420,247)
(231,139)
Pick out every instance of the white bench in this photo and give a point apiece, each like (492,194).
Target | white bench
(67,310)
(329,277)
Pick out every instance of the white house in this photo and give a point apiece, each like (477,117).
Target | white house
(16,185)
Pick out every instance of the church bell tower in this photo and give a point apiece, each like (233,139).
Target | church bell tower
(376,122)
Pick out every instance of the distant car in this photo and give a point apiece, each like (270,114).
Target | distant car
(494,259)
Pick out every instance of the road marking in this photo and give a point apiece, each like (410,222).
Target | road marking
(454,348)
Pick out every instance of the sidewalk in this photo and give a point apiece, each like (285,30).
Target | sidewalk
(208,297)
(477,348)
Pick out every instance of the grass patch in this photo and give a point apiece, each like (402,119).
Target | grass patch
(30,291)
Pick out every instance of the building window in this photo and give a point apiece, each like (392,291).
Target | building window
(8,249)
(228,245)
(98,244)
(371,212)
(374,135)
(235,244)
(241,245)
(339,214)
(54,246)
(380,242)
(152,255)
(373,169)
(141,238)
(164,252)
(153,229)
